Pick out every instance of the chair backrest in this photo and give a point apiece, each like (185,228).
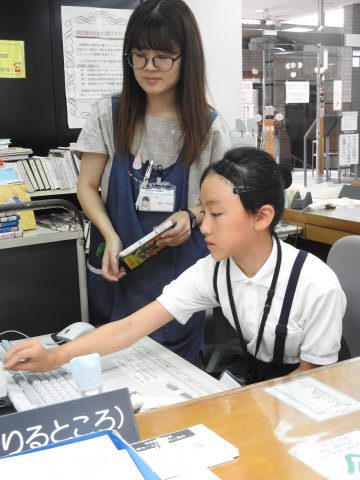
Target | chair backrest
(344,259)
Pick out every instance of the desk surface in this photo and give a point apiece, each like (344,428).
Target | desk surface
(159,375)
(326,226)
(262,427)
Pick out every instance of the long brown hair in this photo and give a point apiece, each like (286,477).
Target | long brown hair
(166,25)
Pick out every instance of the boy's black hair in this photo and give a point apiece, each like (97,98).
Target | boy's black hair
(260,178)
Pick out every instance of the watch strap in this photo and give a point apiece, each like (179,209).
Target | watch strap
(192,217)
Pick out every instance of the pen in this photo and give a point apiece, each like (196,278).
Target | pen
(147,173)
(159,174)
(144,182)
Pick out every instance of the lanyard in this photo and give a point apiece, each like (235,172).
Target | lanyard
(144,182)
(266,310)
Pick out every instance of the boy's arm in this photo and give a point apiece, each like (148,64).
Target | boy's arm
(114,336)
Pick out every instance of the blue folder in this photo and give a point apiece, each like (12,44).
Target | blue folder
(119,443)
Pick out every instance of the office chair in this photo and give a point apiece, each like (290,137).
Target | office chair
(344,259)
(350,191)
(221,341)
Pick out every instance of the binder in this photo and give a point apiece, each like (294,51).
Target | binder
(42,173)
(36,174)
(30,175)
(116,439)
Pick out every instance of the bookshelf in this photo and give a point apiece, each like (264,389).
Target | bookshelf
(53,193)
(56,173)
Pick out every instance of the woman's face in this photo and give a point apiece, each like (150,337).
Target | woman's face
(154,81)
(228,229)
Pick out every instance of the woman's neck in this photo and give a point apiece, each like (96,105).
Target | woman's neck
(256,255)
(161,106)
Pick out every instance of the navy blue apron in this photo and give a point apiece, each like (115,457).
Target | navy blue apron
(112,301)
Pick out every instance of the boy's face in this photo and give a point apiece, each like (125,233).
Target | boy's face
(228,229)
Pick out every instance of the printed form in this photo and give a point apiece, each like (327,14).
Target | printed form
(314,398)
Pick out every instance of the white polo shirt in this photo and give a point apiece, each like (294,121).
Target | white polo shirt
(315,323)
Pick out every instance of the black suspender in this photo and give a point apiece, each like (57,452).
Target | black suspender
(217,265)
(281,328)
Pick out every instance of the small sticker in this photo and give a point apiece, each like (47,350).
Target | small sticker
(137,163)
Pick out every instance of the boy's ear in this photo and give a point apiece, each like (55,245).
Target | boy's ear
(263,217)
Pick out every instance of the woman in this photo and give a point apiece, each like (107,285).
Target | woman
(161,119)
(242,199)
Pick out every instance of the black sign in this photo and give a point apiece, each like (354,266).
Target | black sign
(62,421)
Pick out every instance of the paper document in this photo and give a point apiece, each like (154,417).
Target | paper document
(335,459)
(91,460)
(180,453)
(157,372)
(314,398)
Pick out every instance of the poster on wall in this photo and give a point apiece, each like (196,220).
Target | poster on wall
(349,121)
(297,92)
(348,149)
(12,59)
(93,44)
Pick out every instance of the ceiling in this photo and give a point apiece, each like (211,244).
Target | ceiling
(286,9)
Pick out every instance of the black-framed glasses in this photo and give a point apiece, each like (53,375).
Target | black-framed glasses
(243,189)
(163,63)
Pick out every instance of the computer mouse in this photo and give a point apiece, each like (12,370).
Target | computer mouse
(75,330)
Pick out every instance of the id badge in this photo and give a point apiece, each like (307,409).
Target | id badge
(156,198)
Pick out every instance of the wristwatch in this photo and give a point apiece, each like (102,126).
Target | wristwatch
(192,217)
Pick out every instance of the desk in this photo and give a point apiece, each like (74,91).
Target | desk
(326,226)
(250,418)
(159,375)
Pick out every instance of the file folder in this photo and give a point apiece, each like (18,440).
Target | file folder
(116,439)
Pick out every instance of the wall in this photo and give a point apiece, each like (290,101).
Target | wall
(220,25)
(33,110)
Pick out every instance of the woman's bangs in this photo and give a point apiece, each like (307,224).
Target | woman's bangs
(154,35)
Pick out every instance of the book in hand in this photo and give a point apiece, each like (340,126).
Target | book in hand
(145,248)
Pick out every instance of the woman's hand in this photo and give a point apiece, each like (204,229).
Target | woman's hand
(31,355)
(179,234)
(110,264)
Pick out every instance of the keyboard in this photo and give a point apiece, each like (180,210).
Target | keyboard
(40,389)
(31,390)
(154,375)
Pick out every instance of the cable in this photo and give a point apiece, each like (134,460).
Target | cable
(53,336)
(298,221)
(14,331)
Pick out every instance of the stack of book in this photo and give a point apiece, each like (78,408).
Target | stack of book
(59,170)
(9,225)
(4,144)
(16,192)
(9,154)
(62,222)
(66,167)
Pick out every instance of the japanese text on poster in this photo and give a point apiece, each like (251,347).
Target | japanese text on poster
(93,43)
(348,148)
(297,92)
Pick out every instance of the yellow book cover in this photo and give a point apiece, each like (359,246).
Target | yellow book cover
(15,193)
